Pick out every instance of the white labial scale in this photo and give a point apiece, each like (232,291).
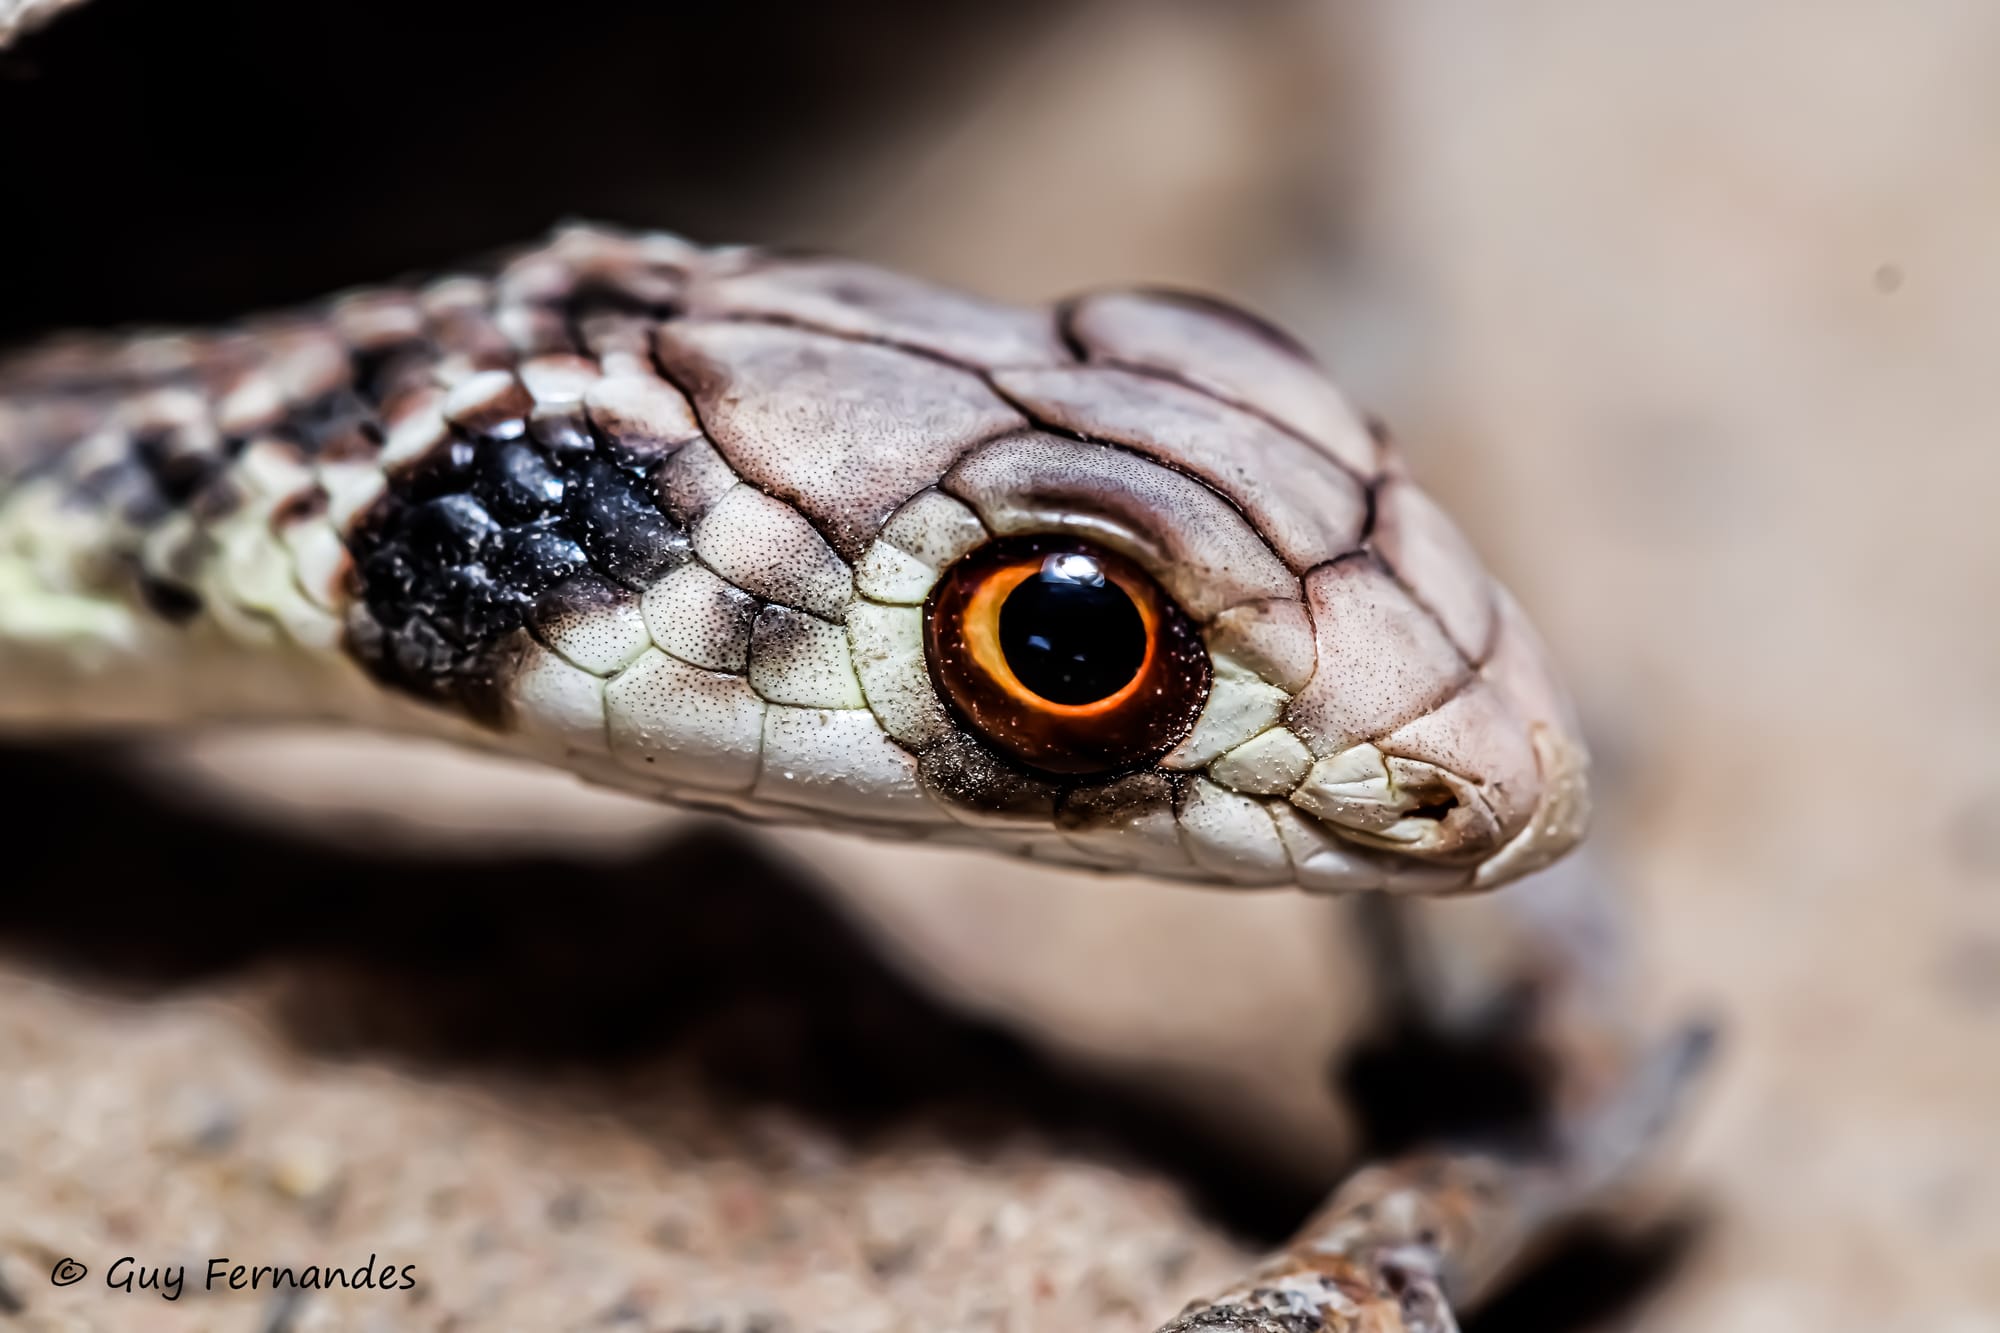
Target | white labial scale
(558,707)
(840,762)
(1271,763)
(1146,841)
(600,628)
(888,649)
(700,617)
(766,547)
(1373,794)
(1327,864)
(1352,788)
(802,660)
(1240,705)
(701,728)
(1321,862)
(1232,836)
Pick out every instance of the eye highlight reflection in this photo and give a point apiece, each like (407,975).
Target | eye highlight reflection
(1066,657)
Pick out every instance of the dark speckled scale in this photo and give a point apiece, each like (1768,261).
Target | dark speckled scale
(517,483)
(611,514)
(536,556)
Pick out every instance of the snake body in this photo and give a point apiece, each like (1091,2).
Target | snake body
(671,517)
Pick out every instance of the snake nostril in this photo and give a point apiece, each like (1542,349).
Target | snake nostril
(1434,810)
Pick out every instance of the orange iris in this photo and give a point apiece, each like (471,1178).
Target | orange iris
(1022,619)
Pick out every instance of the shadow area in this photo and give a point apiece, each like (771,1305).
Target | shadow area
(706,954)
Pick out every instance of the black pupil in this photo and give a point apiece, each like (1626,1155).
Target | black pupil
(1070,634)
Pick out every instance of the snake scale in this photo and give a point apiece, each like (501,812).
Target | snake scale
(1122,583)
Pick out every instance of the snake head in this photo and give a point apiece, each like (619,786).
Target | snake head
(1124,583)
(1196,620)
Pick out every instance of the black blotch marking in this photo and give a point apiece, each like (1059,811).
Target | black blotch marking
(536,556)
(479,538)
(449,529)
(612,515)
(517,483)
(446,469)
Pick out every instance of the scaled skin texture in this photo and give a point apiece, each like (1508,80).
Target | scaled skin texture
(669,516)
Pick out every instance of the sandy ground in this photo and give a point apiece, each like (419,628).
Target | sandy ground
(1688,312)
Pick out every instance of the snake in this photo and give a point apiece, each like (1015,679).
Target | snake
(1123,582)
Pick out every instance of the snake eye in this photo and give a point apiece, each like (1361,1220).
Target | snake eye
(1066,657)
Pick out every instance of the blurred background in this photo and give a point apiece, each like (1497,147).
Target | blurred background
(1689,312)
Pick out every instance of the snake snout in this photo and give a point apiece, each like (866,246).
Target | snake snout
(1473,786)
